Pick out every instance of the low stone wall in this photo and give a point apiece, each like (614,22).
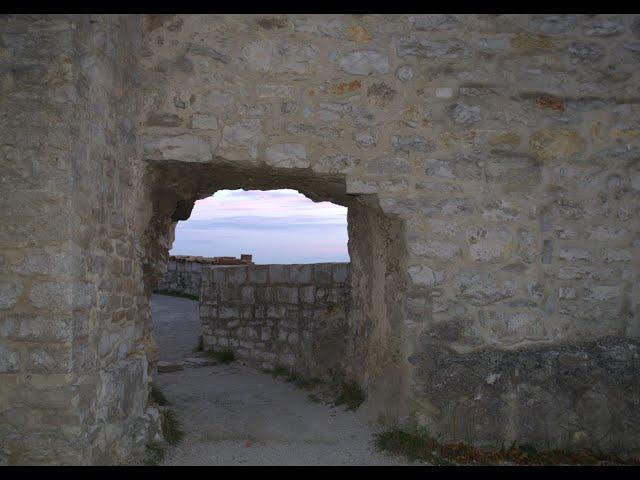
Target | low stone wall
(182,276)
(293,315)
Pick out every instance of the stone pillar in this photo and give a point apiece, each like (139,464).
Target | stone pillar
(73,374)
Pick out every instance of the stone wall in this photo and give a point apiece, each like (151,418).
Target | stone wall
(291,315)
(506,146)
(182,277)
(490,164)
(74,339)
(184,273)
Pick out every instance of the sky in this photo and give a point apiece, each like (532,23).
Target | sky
(275,226)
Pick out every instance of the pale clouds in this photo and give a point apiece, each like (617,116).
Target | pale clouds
(276,226)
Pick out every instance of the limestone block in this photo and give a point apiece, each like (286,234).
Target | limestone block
(290,155)
(245,135)
(508,328)
(434,22)
(424,276)
(9,359)
(258,274)
(421,47)
(185,148)
(9,294)
(270,91)
(57,295)
(322,273)
(168,367)
(336,163)
(434,249)
(404,73)
(340,272)
(480,287)
(489,244)
(204,122)
(49,328)
(365,62)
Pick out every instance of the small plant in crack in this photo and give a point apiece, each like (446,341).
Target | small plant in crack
(175,293)
(279,370)
(154,454)
(350,395)
(158,396)
(420,445)
(200,346)
(224,356)
(300,381)
(172,428)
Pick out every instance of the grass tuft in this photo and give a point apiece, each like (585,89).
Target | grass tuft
(223,356)
(300,381)
(172,428)
(421,446)
(175,293)
(280,370)
(158,396)
(351,395)
(154,455)
(200,346)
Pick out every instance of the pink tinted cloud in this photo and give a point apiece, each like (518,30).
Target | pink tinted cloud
(277,226)
(275,203)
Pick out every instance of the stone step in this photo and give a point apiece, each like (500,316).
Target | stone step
(199,362)
(166,367)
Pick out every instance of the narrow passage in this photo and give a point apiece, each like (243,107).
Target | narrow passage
(234,415)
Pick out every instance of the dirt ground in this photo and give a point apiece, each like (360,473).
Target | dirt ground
(235,415)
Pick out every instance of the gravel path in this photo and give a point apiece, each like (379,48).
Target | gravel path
(234,415)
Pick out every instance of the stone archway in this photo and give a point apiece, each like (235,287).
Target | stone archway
(502,143)
(375,356)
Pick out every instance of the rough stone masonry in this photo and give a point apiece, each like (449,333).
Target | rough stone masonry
(293,316)
(491,169)
(183,275)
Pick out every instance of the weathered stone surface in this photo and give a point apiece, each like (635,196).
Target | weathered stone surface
(292,155)
(434,249)
(585,53)
(463,114)
(434,22)
(57,295)
(336,163)
(168,367)
(553,24)
(185,148)
(557,144)
(489,244)
(411,143)
(602,28)
(365,62)
(9,293)
(204,122)
(163,120)
(9,360)
(246,135)
(279,57)
(480,287)
(420,47)
(544,380)
(404,73)
(269,90)
(424,276)
(52,328)
(297,301)
(503,143)
(209,52)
